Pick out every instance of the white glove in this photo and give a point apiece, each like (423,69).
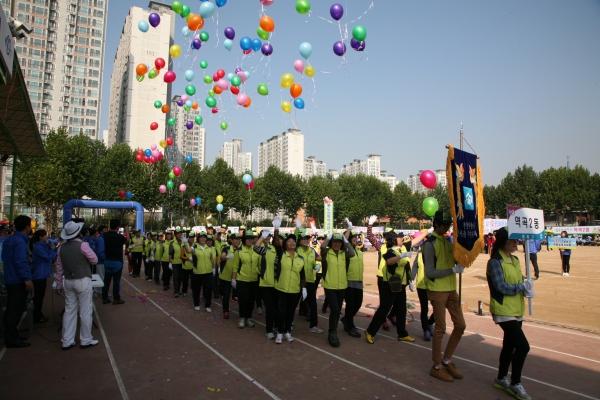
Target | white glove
(411,286)
(407,254)
(348,223)
(372,219)
(171,266)
(234,283)
(276,222)
(147,261)
(298,224)
(265,234)
(529,293)
(304,294)
(345,240)
(430,230)
(131,246)
(209,217)
(458,269)
(229,256)
(528,284)
(214,272)
(317,267)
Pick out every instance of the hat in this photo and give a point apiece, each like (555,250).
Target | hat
(209,237)
(167,232)
(201,233)
(401,234)
(209,226)
(354,233)
(234,236)
(443,216)
(153,234)
(388,229)
(71,230)
(178,230)
(249,235)
(192,234)
(321,236)
(224,226)
(337,236)
(501,234)
(242,227)
(303,234)
(391,235)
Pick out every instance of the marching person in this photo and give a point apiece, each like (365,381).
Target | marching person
(203,261)
(187,264)
(230,258)
(42,253)
(113,263)
(354,291)
(73,264)
(149,252)
(267,277)
(311,268)
(136,248)
(163,255)
(175,263)
(418,278)
(246,275)
(440,274)
(508,290)
(160,240)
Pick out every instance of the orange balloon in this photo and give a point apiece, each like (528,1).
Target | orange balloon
(217,90)
(195,105)
(248,102)
(267,23)
(296,90)
(141,69)
(195,22)
(165,109)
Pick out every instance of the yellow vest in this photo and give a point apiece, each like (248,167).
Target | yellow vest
(444,256)
(202,258)
(247,269)
(511,306)
(176,258)
(309,262)
(139,244)
(382,251)
(420,279)
(289,273)
(164,251)
(187,264)
(227,268)
(400,269)
(356,268)
(335,277)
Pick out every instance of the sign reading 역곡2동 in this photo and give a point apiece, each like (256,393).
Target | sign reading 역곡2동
(525,223)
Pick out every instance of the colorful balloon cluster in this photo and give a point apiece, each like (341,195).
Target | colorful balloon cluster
(195,202)
(219,201)
(125,194)
(152,155)
(430,204)
(248,181)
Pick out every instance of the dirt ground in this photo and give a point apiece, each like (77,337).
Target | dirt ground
(559,300)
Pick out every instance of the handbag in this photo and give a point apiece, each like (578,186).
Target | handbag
(395,284)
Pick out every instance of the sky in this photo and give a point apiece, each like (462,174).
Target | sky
(522,77)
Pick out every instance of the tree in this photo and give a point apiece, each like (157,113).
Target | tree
(361,196)
(400,206)
(316,189)
(278,191)
(555,196)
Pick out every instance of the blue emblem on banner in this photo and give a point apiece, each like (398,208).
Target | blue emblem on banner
(468,198)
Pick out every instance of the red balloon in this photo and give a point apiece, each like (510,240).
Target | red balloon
(159,63)
(428,179)
(146,159)
(160,156)
(216,77)
(169,141)
(169,77)
(153,160)
(177,171)
(215,110)
(220,74)
(154,126)
(121,193)
(250,185)
(139,157)
(247,51)
(140,151)
(235,90)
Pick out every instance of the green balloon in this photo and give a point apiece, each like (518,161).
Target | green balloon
(204,36)
(186,108)
(430,206)
(359,33)
(236,81)
(170,184)
(171,121)
(140,78)
(224,125)
(302,6)
(171,175)
(203,65)
(211,101)
(185,11)
(157,104)
(177,7)
(190,89)
(198,119)
(264,35)
(208,79)
(152,74)
(263,90)
(211,93)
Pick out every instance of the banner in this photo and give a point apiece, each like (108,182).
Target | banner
(466,204)
(328,217)
(575,230)
(491,225)
(555,242)
(7,43)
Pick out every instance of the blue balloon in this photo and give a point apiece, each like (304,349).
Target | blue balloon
(246,43)
(189,75)
(189,104)
(143,26)
(128,194)
(305,49)
(256,44)
(228,44)
(148,152)
(198,200)
(299,103)
(247,178)
(207,9)
(220,3)
(229,76)
(245,72)
(188,159)
(184,31)
(219,207)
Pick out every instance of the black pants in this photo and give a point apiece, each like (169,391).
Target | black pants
(389,299)
(354,299)
(269,297)
(311,303)
(215,285)
(380,282)
(136,259)
(177,272)
(166,274)
(335,298)
(286,308)
(116,278)
(423,300)
(258,299)
(514,350)
(203,281)
(325,301)
(15,304)
(225,289)
(39,292)
(533,258)
(246,297)
(566,266)
(185,279)
(157,270)
(149,269)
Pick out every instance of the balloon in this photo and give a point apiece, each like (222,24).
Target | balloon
(182,187)
(177,170)
(175,50)
(336,11)
(198,119)
(148,152)
(339,48)
(248,102)
(171,122)
(170,139)
(198,200)
(219,199)
(154,126)
(204,36)
(246,43)
(229,76)
(242,76)
(296,90)
(224,125)
(170,184)
(208,79)
(169,76)
(193,201)
(267,24)
(215,110)
(305,50)
(177,7)
(287,80)
(215,77)
(236,80)
(160,156)
(121,193)
(139,78)
(430,206)
(250,185)
(194,105)
(247,178)
(222,84)
(185,31)
(162,189)
(184,97)
(266,49)
(247,73)
(189,125)
(215,90)
(157,104)
(185,11)
(141,69)
(221,73)
(139,157)
(162,143)
(153,73)
(256,44)
(264,35)
(228,44)
(359,33)
(356,45)
(242,99)
(165,108)
(211,101)
(153,147)
(299,66)
(186,108)
(128,194)
(299,103)
(143,26)
(159,63)
(219,207)
(195,22)
(180,103)
(196,44)
(207,9)
(171,175)
(153,159)
(155,153)
(189,159)
(302,6)
(229,33)
(266,3)
(234,90)
(220,3)
(286,106)
(146,159)
(263,89)
(428,179)
(191,90)
(154,19)
(203,64)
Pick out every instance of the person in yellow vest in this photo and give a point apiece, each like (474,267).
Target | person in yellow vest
(214,287)
(203,262)
(440,279)
(335,279)
(245,279)
(319,270)
(175,262)
(508,290)
(136,248)
(160,240)
(149,252)
(311,257)
(397,264)
(187,264)
(418,277)
(215,237)
(230,258)
(354,291)
(268,293)
(163,256)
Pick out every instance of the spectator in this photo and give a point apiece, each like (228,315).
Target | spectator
(43,253)
(99,249)
(535,246)
(113,262)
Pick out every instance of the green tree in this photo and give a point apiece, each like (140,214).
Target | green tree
(400,206)
(278,191)
(316,189)
(555,196)
(361,196)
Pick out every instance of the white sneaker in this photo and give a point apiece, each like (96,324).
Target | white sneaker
(279,338)
(519,392)
(315,329)
(270,336)
(567,274)
(249,323)
(288,337)
(259,311)
(197,308)
(91,343)
(564,274)
(241,323)
(208,309)
(503,384)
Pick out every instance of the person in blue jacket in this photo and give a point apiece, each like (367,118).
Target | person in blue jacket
(43,253)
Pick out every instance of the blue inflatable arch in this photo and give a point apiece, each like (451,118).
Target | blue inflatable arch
(139,210)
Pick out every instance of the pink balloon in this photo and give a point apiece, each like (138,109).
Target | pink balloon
(266,3)
(222,84)
(242,99)
(153,147)
(192,202)
(155,153)
(242,75)
(197,36)
(182,188)
(299,65)
(162,189)
(169,77)
(184,97)
(428,179)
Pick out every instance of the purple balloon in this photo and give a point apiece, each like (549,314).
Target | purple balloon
(356,45)
(154,19)
(180,103)
(197,43)
(336,11)
(339,48)
(266,49)
(229,33)
(238,69)
(189,125)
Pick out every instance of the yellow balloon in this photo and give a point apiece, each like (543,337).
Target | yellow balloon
(163,143)
(309,71)
(287,80)
(175,50)
(286,106)
(219,199)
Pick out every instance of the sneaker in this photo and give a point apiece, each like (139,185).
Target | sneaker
(315,329)
(343,321)
(441,374)
(197,308)
(93,343)
(333,339)
(176,295)
(518,391)
(226,315)
(270,336)
(451,369)
(385,327)
(288,337)
(369,337)
(427,336)
(149,279)
(241,323)
(259,311)
(567,275)
(118,301)
(564,274)
(503,384)
(279,338)
(431,329)
(354,333)
(392,320)
(208,309)
(106,301)
(249,323)
(307,317)
(406,339)
(184,295)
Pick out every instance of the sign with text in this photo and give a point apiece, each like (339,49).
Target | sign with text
(525,223)
(562,243)
(576,230)
(491,225)
(7,44)
(328,214)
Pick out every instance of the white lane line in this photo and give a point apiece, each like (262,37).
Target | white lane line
(111,357)
(245,375)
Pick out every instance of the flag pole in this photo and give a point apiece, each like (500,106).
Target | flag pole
(462,137)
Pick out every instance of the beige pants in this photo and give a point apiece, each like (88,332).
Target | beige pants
(442,301)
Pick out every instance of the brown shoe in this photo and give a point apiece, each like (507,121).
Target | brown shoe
(441,374)
(451,369)
(115,301)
